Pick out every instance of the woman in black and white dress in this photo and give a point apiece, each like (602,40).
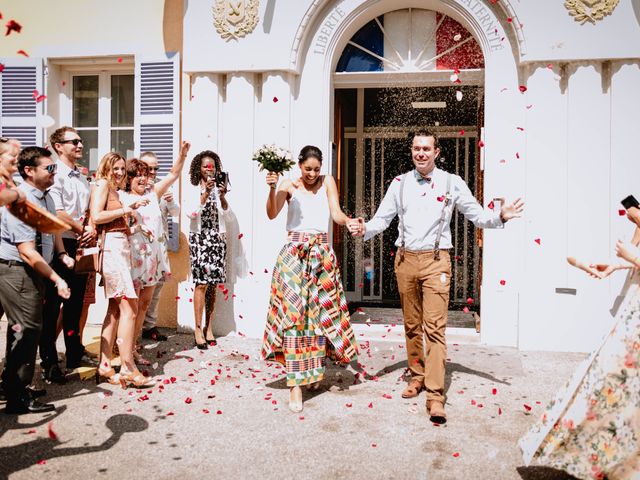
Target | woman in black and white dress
(207,240)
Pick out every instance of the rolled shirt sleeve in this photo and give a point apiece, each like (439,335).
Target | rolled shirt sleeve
(467,204)
(386,212)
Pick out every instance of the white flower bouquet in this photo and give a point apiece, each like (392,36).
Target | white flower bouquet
(274,159)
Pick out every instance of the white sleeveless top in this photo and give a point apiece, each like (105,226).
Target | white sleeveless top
(308,213)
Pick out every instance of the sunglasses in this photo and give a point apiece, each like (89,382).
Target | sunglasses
(51,168)
(153,169)
(75,141)
(4,139)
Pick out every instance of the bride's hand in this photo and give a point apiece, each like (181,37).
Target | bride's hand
(272,179)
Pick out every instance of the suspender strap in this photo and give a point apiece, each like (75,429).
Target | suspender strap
(447,199)
(401,218)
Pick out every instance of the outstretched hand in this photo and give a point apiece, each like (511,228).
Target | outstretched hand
(627,252)
(513,210)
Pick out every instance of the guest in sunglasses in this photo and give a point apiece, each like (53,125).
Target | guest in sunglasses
(168,208)
(70,193)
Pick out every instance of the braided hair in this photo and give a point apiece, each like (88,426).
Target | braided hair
(196,164)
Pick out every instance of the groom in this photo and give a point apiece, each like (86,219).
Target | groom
(424,199)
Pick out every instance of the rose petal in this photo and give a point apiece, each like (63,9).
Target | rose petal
(537,240)
(240,236)
(219,412)
(622,212)
(480,143)
(188,400)
(503,282)
(456,454)
(527,407)
(491,205)
(12,26)
(42,462)
(387,396)
(52,434)
(348,405)
(465,309)
(461,132)
(23,53)
(522,88)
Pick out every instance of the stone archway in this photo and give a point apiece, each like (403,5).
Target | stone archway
(317,49)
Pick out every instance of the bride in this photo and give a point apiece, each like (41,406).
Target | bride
(592,428)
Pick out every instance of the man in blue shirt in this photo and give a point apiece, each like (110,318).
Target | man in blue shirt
(425,199)
(25,255)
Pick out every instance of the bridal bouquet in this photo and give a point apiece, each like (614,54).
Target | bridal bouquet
(274,159)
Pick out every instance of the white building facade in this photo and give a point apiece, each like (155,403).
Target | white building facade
(528,102)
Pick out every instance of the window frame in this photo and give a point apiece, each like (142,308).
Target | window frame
(104,72)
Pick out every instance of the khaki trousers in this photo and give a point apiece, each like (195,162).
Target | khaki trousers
(423,284)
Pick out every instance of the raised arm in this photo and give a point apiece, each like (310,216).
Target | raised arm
(163,185)
(277,197)
(337,214)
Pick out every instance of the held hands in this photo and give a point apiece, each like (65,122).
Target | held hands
(513,210)
(356,226)
(272,179)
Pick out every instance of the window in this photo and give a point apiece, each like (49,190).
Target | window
(102,110)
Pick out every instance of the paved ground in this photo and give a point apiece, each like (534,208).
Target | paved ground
(223,414)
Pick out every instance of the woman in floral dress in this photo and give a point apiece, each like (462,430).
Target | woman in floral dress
(592,428)
(206,210)
(149,264)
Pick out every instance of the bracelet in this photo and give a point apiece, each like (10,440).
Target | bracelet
(59,254)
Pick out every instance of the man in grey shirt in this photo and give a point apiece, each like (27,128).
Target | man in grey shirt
(70,194)
(24,266)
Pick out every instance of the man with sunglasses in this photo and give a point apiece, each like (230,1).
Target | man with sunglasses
(25,255)
(168,208)
(70,194)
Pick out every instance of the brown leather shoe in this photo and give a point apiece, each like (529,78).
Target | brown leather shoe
(413,389)
(436,411)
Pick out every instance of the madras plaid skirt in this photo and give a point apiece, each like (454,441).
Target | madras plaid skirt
(308,317)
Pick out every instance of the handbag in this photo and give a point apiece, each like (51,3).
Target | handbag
(88,255)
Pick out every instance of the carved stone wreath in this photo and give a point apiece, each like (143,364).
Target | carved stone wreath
(590,10)
(226,28)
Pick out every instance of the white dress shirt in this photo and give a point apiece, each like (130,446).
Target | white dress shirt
(423,201)
(70,193)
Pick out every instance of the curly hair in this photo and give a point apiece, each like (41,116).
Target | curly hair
(134,168)
(105,168)
(196,163)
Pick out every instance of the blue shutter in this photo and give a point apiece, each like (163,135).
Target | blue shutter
(19,111)
(158,118)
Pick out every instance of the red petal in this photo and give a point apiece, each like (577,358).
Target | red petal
(461,132)
(12,26)
(168,414)
(537,240)
(301,418)
(188,400)
(22,52)
(520,128)
(549,66)
(240,236)
(494,391)
(622,212)
(440,198)
(470,301)
(52,434)
(527,407)
(456,454)
(387,396)
(374,445)
(465,309)
(219,412)
(41,462)
(509,19)
(499,411)
(517,155)
(177,298)
(1,67)
(266,271)
(491,205)
(522,88)
(275,99)
(69,333)
(370,405)
(119,60)
(204,410)
(348,405)
(473,402)
(503,282)
(480,143)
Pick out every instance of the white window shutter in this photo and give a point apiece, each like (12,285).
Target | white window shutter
(20,114)
(157,117)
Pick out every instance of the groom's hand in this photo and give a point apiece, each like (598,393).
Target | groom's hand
(513,210)
(356,226)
